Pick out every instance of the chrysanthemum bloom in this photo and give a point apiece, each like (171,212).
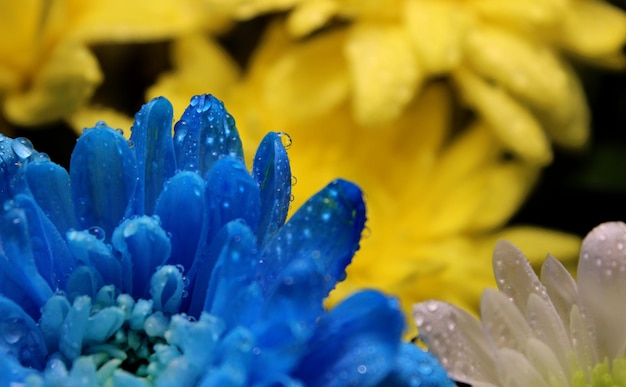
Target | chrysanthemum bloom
(552,331)
(505,57)
(47,71)
(163,261)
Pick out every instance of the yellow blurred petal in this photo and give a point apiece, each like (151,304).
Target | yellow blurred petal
(309,16)
(384,72)
(592,28)
(568,124)
(530,71)
(19,26)
(201,66)
(514,125)
(64,83)
(9,79)
(537,243)
(247,9)
(135,21)
(88,116)
(436,29)
(506,189)
(527,15)
(308,79)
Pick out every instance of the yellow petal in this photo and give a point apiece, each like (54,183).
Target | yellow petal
(308,79)
(200,66)
(87,117)
(19,27)
(568,124)
(527,15)
(66,81)
(384,71)
(436,29)
(514,125)
(309,16)
(537,243)
(506,189)
(247,9)
(530,71)
(137,20)
(592,28)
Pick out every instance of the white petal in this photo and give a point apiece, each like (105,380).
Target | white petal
(560,286)
(514,275)
(602,285)
(517,371)
(548,327)
(583,341)
(546,363)
(503,321)
(458,340)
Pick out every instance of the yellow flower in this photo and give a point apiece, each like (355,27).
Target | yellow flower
(540,331)
(46,69)
(436,199)
(504,56)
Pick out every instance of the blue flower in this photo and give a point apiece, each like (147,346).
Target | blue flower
(163,261)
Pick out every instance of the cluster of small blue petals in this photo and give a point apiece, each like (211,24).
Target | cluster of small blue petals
(163,261)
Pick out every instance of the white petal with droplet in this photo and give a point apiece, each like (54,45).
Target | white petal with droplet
(503,321)
(602,284)
(514,275)
(458,340)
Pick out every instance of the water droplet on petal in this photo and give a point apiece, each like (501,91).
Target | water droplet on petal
(22,147)
(12,330)
(98,232)
(285,139)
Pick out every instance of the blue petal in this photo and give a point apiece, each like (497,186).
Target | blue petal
(166,289)
(152,141)
(20,336)
(84,281)
(272,172)
(102,325)
(355,344)
(235,359)
(53,315)
(225,285)
(103,175)
(13,154)
(74,328)
(89,249)
(49,184)
(52,257)
(289,315)
(327,229)
(19,277)
(143,242)
(415,367)
(205,133)
(232,194)
(182,210)
(291,310)
(13,373)
(197,340)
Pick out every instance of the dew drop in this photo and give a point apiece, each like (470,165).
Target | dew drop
(362,369)
(285,139)
(432,306)
(98,232)
(22,147)
(12,330)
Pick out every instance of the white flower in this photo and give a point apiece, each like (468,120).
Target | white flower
(552,331)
